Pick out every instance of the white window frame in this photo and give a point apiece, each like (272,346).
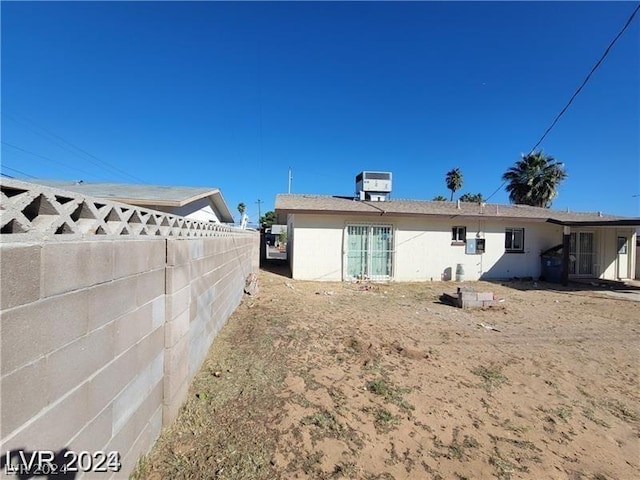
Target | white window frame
(509,234)
(455,235)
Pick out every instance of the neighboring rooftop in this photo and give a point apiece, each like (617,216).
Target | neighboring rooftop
(301,203)
(145,195)
(33,212)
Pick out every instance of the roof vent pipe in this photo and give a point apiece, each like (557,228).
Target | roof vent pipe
(599,214)
(458,204)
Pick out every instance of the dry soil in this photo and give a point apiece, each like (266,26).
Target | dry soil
(330,380)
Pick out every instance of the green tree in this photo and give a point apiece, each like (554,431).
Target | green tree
(439,198)
(268,219)
(282,237)
(454,181)
(472,197)
(534,180)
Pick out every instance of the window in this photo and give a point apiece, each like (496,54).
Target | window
(514,239)
(458,234)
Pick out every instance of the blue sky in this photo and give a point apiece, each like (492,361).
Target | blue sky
(232,94)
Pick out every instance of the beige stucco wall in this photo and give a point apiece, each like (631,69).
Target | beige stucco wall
(423,249)
(99,338)
(607,259)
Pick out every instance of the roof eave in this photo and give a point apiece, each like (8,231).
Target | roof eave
(221,206)
(408,214)
(622,222)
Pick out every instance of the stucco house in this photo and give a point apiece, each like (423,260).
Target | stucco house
(204,204)
(345,238)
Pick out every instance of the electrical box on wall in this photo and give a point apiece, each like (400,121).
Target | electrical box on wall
(470,246)
(474,246)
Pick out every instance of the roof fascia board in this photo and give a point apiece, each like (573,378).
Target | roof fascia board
(221,206)
(378,213)
(164,203)
(627,222)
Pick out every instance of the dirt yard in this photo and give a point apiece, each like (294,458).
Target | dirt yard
(329,380)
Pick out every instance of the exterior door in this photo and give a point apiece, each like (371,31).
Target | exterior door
(582,251)
(369,252)
(623,257)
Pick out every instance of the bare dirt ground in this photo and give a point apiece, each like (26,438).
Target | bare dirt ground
(329,380)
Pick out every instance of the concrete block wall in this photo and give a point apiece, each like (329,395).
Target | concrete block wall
(205,282)
(99,338)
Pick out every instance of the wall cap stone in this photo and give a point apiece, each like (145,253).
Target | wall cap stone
(30,213)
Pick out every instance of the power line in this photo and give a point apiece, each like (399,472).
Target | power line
(46,158)
(16,171)
(74,148)
(595,67)
(577,92)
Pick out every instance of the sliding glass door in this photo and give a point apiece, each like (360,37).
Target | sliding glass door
(369,252)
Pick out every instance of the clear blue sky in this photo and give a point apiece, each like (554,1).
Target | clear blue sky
(232,94)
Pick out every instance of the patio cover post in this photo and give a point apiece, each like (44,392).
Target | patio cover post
(566,245)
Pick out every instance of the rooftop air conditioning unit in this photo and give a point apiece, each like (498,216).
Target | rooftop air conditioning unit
(373,186)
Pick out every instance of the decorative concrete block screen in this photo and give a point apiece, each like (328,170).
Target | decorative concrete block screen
(30,211)
(100,333)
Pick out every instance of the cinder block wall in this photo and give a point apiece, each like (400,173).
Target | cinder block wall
(205,283)
(98,339)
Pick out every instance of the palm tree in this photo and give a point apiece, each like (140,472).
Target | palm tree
(439,198)
(472,197)
(534,179)
(454,181)
(241,208)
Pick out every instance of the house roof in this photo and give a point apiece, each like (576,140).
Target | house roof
(146,195)
(299,203)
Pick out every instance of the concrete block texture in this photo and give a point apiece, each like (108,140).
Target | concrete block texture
(177,302)
(53,427)
(19,274)
(68,266)
(138,256)
(125,437)
(171,407)
(73,364)
(176,329)
(95,435)
(177,278)
(132,327)
(109,301)
(32,331)
(130,399)
(111,380)
(24,395)
(142,444)
(149,285)
(178,252)
(109,333)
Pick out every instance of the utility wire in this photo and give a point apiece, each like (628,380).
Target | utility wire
(595,67)
(577,92)
(74,148)
(16,171)
(20,149)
